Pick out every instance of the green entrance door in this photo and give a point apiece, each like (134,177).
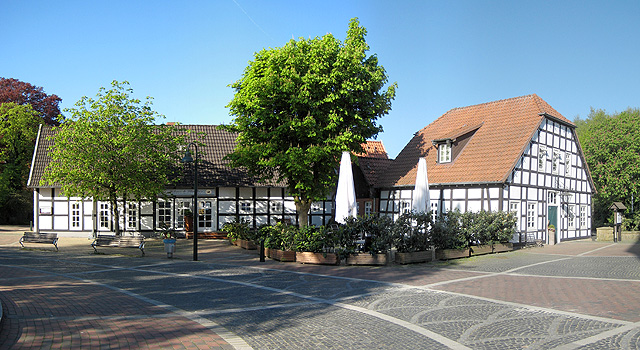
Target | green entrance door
(552,216)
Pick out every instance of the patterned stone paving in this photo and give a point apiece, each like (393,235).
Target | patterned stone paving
(98,301)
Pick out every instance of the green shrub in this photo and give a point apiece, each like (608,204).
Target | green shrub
(314,239)
(412,232)
(281,236)
(446,232)
(240,230)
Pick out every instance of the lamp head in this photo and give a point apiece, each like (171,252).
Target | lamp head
(187,157)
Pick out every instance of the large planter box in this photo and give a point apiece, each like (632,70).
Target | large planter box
(281,255)
(446,254)
(413,257)
(317,258)
(367,259)
(502,247)
(243,243)
(481,249)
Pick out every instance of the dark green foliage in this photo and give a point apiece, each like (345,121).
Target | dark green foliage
(315,239)
(412,233)
(447,231)
(281,236)
(240,230)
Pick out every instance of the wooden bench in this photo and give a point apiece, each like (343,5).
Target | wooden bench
(36,237)
(118,242)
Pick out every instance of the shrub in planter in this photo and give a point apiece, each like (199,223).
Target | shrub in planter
(411,232)
(446,232)
(503,227)
(281,236)
(314,239)
(239,230)
(376,231)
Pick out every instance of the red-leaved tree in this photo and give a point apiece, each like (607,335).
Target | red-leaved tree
(19,92)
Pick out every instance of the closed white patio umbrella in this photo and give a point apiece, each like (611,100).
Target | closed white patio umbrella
(421,201)
(346,205)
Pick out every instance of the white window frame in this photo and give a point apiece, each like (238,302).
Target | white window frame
(405,207)
(567,163)
(552,198)
(276,207)
(444,153)
(514,207)
(132,215)
(542,158)
(555,162)
(368,208)
(104,216)
(532,216)
(583,216)
(76,216)
(161,213)
(181,206)
(246,207)
(571,216)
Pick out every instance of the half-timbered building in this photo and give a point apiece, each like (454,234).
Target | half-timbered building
(225,194)
(517,155)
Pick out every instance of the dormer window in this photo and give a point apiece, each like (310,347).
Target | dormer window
(444,153)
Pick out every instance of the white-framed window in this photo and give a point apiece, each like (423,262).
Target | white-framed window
(567,163)
(132,216)
(104,215)
(368,208)
(552,198)
(276,207)
(514,207)
(571,216)
(182,206)
(531,215)
(583,216)
(542,158)
(555,164)
(444,153)
(405,207)
(434,210)
(75,215)
(245,208)
(164,212)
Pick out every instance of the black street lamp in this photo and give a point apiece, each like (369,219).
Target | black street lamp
(187,159)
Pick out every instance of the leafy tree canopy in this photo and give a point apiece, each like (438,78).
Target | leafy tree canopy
(611,145)
(13,90)
(18,132)
(110,149)
(297,107)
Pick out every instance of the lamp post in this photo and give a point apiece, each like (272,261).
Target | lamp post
(188,159)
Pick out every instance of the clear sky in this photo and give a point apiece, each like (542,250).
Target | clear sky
(443,54)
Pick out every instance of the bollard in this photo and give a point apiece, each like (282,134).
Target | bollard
(262,250)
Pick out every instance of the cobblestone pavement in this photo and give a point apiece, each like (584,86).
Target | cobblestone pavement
(586,296)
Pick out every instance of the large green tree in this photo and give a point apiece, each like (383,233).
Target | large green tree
(297,107)
(110,149)
(611,145)
(18,132)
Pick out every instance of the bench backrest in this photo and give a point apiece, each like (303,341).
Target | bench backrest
(30,234)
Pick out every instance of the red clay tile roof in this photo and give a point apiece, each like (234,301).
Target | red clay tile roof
(373,149)
(504,129)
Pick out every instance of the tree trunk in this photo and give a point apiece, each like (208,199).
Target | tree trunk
(302,206)
(115,214)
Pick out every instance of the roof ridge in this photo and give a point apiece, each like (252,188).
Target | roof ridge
(496,102)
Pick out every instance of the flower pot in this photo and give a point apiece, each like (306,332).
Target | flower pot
(317,258)
(367,259)
(502,247)
(413,257)
(481,249)
(169,247)
(446,254)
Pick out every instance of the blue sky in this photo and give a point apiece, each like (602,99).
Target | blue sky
(443,54)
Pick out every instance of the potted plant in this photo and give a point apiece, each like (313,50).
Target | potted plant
(315,245)
(278,241)
(412,238)
(188,220)
(241,234)
(168,235)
